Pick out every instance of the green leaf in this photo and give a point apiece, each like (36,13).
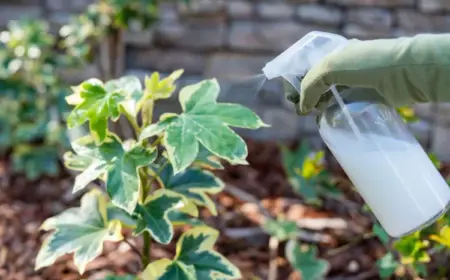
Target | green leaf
(195,248)
(76,162)
(130,87)
(166,269)
(180,218)
(161,89)
(305,261)
(205,159)
(292,160)
(281,229)
(120,164)
(193,183)
(443,237)
(195,259)
(79,230)
(387,265)
(206,121)
(304,170)
(435,160)
(115,213)
(156,128)
(153,215)
(95,104)
(408,114)
(381,234)
(412,249)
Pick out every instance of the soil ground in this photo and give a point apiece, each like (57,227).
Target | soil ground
(336,227)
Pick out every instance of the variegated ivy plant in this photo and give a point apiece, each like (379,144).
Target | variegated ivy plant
(151,183)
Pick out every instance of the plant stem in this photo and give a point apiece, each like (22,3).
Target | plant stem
(147,116)
(146,254)
(147,112)
(147,249)
(134,124)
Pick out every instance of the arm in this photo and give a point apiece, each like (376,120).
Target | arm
(400,71)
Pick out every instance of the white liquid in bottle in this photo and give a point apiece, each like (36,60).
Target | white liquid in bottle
(396,178)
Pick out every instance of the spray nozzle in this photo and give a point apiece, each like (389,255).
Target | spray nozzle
(295,62)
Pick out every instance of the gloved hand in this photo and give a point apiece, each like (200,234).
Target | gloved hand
(398,72)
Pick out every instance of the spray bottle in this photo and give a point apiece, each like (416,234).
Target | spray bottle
(384,161)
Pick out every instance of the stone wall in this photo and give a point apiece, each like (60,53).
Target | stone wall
(233,39)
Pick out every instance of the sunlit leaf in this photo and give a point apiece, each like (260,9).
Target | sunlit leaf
(131,88)
(155,88)
(207,122)
(95,104)
(412,249)
(407,114)
(443,237)
(79,230)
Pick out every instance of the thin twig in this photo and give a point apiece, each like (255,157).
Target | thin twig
(350,244)
(310,237)
(273,252)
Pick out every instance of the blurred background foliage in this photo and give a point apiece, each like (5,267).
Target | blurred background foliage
(32,133)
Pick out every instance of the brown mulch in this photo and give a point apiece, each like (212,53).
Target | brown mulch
(25,205)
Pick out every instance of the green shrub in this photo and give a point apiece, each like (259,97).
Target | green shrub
(153,182)
(31,94)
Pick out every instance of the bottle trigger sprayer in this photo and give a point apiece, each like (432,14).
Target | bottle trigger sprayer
(384,161)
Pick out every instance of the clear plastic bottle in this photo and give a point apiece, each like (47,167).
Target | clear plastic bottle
(382,158)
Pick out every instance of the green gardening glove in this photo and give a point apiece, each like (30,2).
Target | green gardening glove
(398,72)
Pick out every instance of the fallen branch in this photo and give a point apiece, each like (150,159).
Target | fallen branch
(311,237)
(322,223)
(273,255)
